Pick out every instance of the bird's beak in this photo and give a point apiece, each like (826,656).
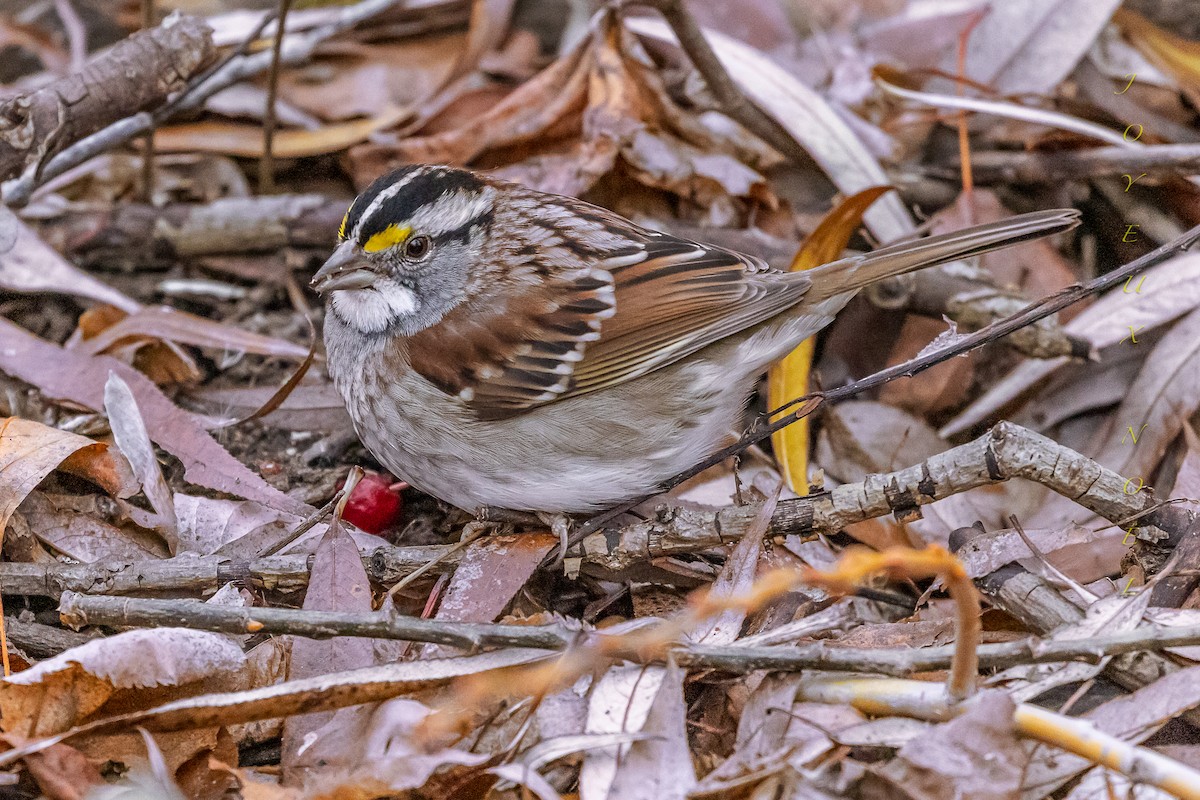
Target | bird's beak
(345,269)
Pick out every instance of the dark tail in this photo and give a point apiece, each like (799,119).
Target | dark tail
(851,274)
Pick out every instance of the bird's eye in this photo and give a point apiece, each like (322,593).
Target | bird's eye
(417,246)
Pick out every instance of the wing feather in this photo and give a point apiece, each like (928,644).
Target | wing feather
(623,313)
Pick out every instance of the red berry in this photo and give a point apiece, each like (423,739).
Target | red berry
(374,505)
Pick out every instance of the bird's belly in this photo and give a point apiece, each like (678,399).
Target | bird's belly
(576,455)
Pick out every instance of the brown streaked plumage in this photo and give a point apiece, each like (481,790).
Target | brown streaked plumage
(531,351)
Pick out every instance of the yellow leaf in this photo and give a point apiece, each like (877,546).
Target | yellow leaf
(788,379)
(1174,55)
(246,141)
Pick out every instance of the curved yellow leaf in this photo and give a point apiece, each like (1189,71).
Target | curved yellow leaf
(788,379)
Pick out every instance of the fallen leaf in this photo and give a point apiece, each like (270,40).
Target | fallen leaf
(338,582)
(1161,398)
(362,77)
(171,324)
(1173,54)
(1164,293)
(63,773)
(29,451)
(85,528)
(788,379)
(231,528)
(246,141)
(861,437)
(62,374)
(620,703)
(30,265)
(736,579)
(492,570)
(131,437)
(806,115)
(321,693)
(378,749)
(524,114)
(1030,46)
(63,691)
(660,765)
(978,755)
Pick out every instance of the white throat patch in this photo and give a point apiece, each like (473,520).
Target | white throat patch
(374,309)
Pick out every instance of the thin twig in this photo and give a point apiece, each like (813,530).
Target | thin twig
(1064,165)
(732,100)
(1007,451)
(466,539)
(148,139)
(266,166)
(80,610)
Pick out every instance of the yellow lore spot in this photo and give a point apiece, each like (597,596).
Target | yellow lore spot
(390,236)
(342,228)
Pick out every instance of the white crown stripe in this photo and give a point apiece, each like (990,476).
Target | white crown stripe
(381,198)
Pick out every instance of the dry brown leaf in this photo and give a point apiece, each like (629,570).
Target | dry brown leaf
(775,731)
(523,115)
(808,117)
(493,569)
(377,749)
(1175,55)
(935,390)
(861,437)
(129,432)
(1031,45)
(27,264)
(233,528)
(978,755)
(338,582)
(1072,549)
(64,691)
(313,406)
(29,451)
(486,31)
(619,703)
(171,324)
(322,693)
(246,141)
(62,772)
(1187,479)
(85,528)
(62,374)
(162,362)
(788,379)
(735,580)
(356,79)
(1159,401)
(659,766)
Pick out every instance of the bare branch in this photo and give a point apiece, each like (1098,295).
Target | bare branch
(79,610)
(136,74)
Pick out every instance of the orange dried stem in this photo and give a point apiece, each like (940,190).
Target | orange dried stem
(964,144)
(859,563)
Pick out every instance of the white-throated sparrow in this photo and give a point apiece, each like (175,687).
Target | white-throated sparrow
(497,346)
